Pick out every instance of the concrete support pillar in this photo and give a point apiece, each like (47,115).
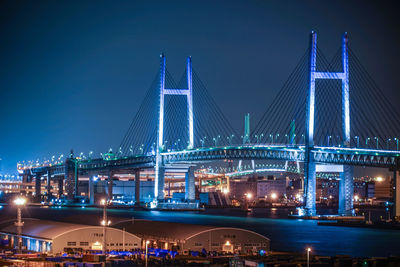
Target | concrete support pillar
(49,196)
(189,185)
(346,191)
(70,179)
(25,179)
(310,184)
(91,189)
(396,195)
(110,185)
(160,184)
(60,186)
(137,187)
(38,191)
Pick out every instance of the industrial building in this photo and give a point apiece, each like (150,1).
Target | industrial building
(58,237)
(184,237)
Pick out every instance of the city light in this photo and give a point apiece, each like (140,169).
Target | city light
(103,222)
(20,201)
(249,195)
(379,179)
(356,198)
(274,195)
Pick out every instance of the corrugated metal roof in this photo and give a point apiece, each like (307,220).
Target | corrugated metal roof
(168,230)
(41,229)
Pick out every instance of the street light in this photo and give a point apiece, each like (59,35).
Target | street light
(397,143)
(215,139)
(358,141)
(366,141)
(377,142)
(147,243)
(19,202)
(329,138)
(104,223)
(258,137)
(230,138)
(308,257)
(249,195)
(387,143)
(141,149)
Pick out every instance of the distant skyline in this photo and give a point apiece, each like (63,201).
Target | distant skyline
(72,74)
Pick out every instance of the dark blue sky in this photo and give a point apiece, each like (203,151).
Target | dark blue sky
(72,73)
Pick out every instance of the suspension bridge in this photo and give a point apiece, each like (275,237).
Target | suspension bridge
(329,114)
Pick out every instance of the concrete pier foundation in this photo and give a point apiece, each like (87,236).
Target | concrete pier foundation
(110,185)
(189,185)
(137,187)
(346,191)
(38,185)
(160,183)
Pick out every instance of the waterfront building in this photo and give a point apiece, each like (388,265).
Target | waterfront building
(327,189)
(184,237)
(272,188)
(59,237)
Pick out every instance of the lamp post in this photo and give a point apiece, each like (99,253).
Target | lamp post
(397,143)
(230,138)
(304,139)
(202,140)
(19,202)
(272,138)
(215,139)
(308,257)
(258,137)
(141,149)
(377,142)
(147,244)
(329,138)
(105,222)
(358,141)
(387,143)
(366,141)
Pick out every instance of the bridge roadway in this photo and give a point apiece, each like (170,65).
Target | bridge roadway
(69,171)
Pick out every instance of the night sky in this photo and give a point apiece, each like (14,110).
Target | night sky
(72,73)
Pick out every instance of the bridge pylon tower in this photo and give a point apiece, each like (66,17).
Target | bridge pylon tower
(246,140)
(188,92)
(346,177)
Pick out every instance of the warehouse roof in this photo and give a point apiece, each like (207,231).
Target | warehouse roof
(169,230)
(41,229)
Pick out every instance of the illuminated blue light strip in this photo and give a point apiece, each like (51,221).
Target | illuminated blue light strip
(345,92)
(190,101)
(176,92)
